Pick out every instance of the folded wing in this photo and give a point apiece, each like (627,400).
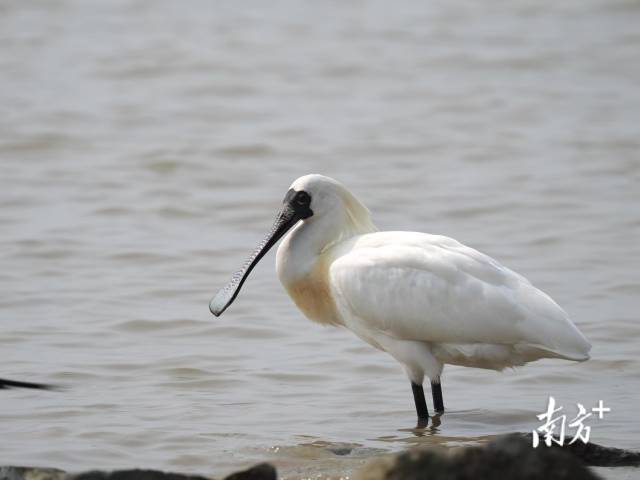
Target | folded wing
(431,288)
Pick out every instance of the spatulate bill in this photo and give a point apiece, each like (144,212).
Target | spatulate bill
(287,218)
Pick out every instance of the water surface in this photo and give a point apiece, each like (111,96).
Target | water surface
(145,148)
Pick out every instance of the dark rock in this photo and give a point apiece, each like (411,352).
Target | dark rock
(31,473)
(596,455)
(341,450)
(134,474)
(262,471)
(508,457)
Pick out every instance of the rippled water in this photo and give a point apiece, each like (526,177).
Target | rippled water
(144,150)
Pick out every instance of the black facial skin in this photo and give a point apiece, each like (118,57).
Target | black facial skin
(299,202)
(295,207)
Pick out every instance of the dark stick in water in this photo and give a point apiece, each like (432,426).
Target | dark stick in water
(4,383)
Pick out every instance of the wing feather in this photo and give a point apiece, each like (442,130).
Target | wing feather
(431,288)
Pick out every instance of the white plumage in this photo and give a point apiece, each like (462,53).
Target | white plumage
(461,305)
(427,300)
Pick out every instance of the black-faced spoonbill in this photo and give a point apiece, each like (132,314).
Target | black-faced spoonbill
(425,299)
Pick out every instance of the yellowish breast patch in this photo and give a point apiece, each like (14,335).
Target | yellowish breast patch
(312,294)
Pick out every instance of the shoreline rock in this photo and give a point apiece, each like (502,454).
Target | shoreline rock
(508,456)
(261,471)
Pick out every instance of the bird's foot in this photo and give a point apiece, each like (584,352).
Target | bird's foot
(423,422)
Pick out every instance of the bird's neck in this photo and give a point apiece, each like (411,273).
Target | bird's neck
(303,262)
(313,240)
(301,248)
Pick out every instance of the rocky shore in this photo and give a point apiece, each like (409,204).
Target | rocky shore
(507,457)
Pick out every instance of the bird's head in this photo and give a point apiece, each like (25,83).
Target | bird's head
(313,200)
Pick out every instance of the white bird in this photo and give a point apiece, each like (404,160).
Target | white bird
(427,300)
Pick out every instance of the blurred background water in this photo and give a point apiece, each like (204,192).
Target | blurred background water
(145,147)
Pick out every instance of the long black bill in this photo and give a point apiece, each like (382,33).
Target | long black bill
(4,383)
(287,218)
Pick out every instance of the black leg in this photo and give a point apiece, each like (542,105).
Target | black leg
(436,391)
(421,404)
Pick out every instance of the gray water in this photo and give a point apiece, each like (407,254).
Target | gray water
(145,147)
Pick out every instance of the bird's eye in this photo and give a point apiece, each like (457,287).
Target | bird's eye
(302,198)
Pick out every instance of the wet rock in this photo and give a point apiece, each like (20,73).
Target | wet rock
(341,450)
(134,474)
(597,455)
(262,471)
(511,456)
(31,473)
